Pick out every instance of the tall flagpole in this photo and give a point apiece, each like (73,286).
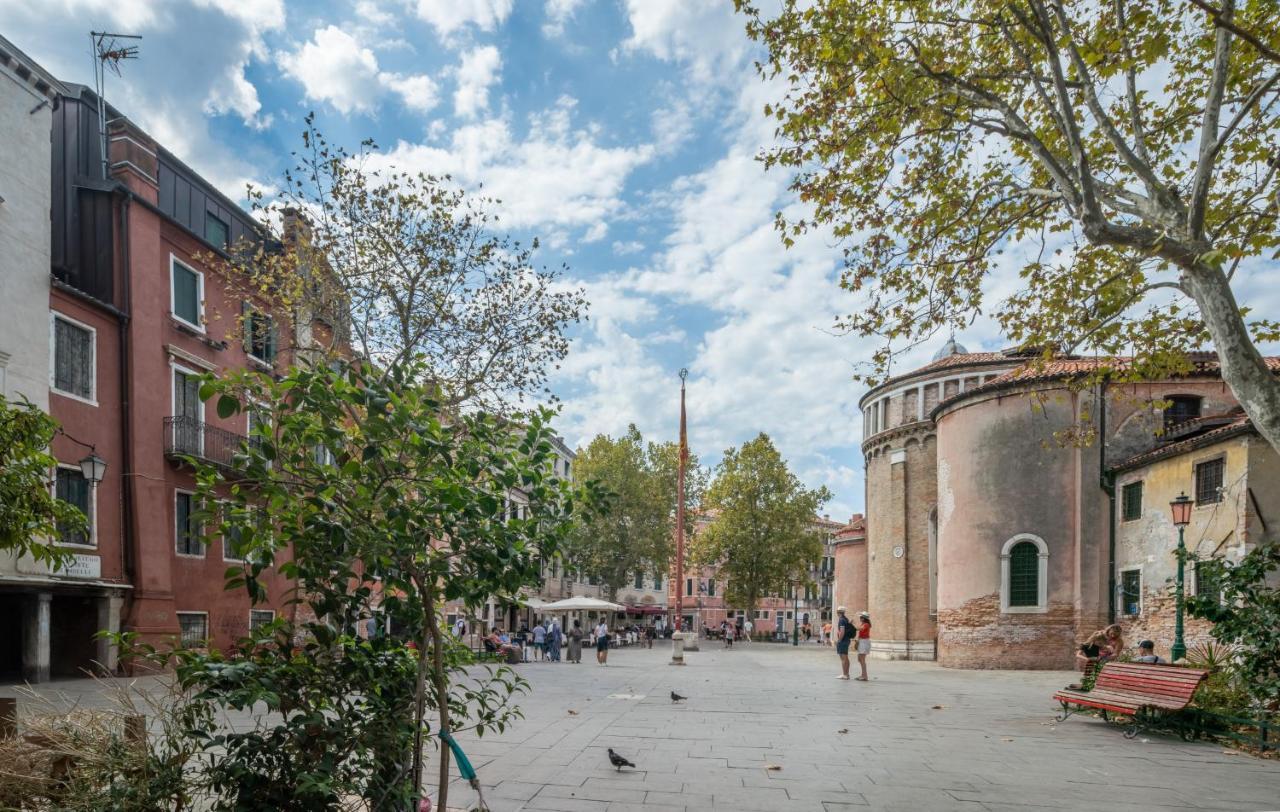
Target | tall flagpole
(677,638)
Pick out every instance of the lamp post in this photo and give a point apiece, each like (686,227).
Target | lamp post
(1181,508)
(795,614)
(93,468)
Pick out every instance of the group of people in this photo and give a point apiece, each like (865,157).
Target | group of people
(1107,644)
(546,640)
(846,633)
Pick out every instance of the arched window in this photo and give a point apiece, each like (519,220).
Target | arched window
(1024,571)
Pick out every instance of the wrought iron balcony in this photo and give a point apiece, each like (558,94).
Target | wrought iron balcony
(188,437)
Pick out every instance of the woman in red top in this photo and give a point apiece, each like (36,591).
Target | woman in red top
(864,643)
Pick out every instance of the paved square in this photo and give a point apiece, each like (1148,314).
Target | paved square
(992,745)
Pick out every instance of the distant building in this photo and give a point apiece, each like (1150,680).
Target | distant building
(850,566)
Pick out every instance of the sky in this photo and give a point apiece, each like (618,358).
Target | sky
(622,133)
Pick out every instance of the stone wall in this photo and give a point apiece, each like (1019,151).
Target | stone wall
(1157,621)
(977,635)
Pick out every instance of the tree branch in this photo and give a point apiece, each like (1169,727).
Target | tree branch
(1222,19)
(1203,178)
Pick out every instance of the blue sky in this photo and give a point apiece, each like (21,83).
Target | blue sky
(621,132)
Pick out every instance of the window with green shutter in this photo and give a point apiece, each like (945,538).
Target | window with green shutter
(186,285)
(1024,574)
(215,231)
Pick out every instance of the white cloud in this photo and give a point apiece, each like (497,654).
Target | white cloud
(705,35)
(555,176)
(559,13)
(334,67)
(627,247)
(477,71)
(448,16)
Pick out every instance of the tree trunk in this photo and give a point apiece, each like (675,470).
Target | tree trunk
(420,705)
(442,701)
(1243,367)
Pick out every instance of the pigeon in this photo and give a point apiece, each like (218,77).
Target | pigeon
(618,761)
(675,697)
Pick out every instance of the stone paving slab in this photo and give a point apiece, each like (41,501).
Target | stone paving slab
(993,745)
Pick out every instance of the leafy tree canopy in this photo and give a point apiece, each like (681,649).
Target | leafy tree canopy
(1126,148)
(761,535)
(636,532)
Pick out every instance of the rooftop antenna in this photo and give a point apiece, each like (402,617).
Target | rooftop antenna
(109,50)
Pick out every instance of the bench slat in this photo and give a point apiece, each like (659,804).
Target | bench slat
(1127,687)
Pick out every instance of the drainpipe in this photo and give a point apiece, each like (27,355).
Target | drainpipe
(127,491)
(1107,481)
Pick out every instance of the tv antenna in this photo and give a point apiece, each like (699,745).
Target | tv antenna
(109,50)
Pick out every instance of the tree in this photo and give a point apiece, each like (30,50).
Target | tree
(1130,143)
(761,536)
(635,534)
(375,501)
(406,267)
(31,517)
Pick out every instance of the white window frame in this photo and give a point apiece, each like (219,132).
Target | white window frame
(93,512)
(92,400)
(205,551)
(1120,586)
(271,612)
(178,615)
(1042,580)
(173,260)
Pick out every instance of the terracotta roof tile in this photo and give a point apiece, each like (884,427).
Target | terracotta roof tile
(1239,425)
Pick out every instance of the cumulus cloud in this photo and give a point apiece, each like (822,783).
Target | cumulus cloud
(449,16)
(554,175)
(559,13)
(334,67)
(705,35)
(477,72)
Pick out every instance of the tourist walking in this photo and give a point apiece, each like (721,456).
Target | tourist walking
(539,640)
(602,643)
(845,634)
(864,645)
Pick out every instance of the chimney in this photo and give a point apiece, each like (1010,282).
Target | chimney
(133,159)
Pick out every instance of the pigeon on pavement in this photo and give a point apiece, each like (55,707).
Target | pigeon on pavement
(618,761)
(675,697)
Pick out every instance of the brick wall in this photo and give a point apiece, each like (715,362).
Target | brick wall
(1159,611)
(977,635)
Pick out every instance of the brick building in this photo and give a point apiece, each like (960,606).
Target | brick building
(988,539)
(133,316)
(849,571)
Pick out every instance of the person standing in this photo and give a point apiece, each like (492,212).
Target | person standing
(539,640)
(554,638)
(845,633)
(602,643)
(575,643)
(459,628)
(864,645)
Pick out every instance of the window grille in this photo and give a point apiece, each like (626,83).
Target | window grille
(1209,481)
(1181,408)
(1131,497)
(260,617)
(1024,574)
(1131,591)
(194,628)
(72,359)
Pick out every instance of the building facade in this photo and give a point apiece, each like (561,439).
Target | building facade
(849,582)
(989,537)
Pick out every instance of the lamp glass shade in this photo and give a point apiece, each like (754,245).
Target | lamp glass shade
(1181,508)
(93,468)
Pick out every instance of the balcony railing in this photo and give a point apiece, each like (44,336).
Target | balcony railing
(188,437)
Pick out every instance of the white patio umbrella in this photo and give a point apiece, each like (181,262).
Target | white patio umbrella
(581,603)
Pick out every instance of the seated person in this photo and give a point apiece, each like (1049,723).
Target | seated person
(1147,653)
(1092,651)
(496,642)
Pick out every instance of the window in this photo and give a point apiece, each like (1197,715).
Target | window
(1209,577)
(711,588)
(73,359)
(766,614)
(1024,569)
(566,469)
(188,531)
(688,586)
(195,628)
(187,293)
(233,534)
(1181,408)
(71,486)
(639,580)
(1209,481)
(188,411)
(1131,592)
(1131,499)
(259,335)
(657,580)
(260,617)
(1023,572)
(215,231)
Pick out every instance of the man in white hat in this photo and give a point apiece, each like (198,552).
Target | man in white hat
(844,633)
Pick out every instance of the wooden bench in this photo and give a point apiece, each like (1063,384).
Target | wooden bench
(1141,691)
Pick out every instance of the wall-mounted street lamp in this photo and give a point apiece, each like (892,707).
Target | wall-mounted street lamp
(93,468)
(1181,509)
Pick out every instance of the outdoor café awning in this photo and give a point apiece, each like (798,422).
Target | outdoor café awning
(581,603)
(646,610)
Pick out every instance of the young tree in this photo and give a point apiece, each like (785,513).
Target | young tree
(1131,140)
(635,534)
(761,535)
(31,517)
(375,501)
(405,267)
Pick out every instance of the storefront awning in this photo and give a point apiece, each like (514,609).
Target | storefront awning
(646,610)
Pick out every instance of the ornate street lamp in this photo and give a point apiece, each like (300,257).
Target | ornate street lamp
(93,468)
(1181,508)
(795,614)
